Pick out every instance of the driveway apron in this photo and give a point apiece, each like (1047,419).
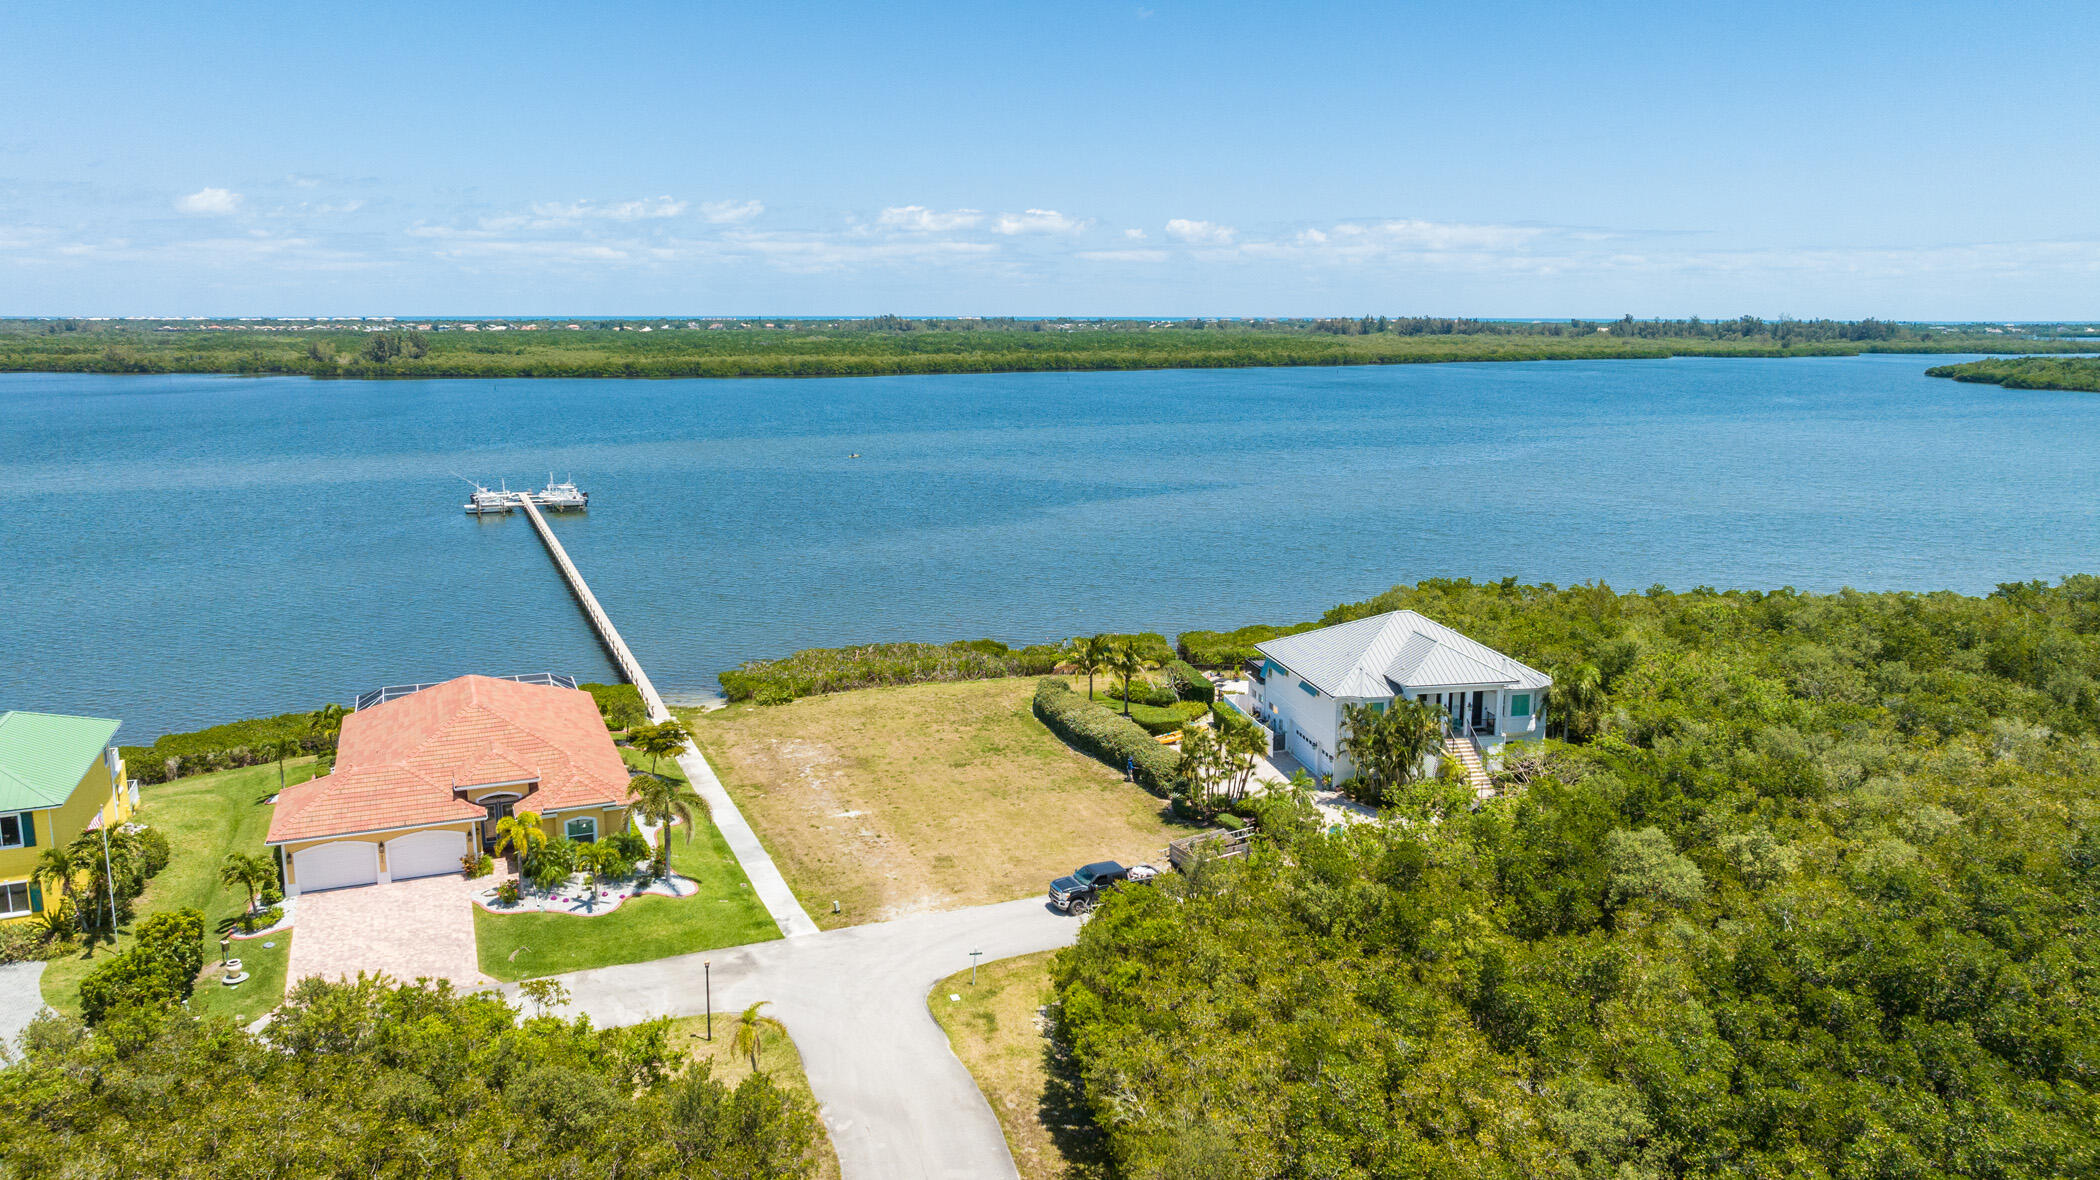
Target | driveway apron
(408,929)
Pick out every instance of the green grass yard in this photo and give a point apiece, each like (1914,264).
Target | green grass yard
(726,913)
(205,818)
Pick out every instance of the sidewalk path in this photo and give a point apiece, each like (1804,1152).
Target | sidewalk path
(20,998)
(898,1103)
(757,863)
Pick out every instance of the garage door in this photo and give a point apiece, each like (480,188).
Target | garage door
(332,866)
(424,854)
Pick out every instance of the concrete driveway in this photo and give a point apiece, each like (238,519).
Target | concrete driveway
(20,998)
(408,929)
(897,1101)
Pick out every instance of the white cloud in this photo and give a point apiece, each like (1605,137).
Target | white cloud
(1124,255)
(920,219)
(1200,233)
(1037,221)
(1135,235)
(648,208)
(210,202)
(731,212)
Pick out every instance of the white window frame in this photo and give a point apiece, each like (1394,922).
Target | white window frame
(568,829)
(21,818)
(7,894)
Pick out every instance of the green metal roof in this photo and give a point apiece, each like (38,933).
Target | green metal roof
(43,756)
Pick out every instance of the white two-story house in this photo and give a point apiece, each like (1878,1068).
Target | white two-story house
(1303,680)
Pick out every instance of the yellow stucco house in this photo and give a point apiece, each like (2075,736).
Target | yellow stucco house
(59,777)
(421,781)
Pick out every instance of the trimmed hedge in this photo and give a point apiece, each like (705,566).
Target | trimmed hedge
(1094,731)
(159,970)
(1193,685)
(837,669)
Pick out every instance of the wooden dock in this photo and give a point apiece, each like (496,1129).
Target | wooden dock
(751,854)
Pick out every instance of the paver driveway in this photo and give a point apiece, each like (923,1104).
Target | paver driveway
(408,929)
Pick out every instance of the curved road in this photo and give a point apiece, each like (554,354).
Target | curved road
(897,1101)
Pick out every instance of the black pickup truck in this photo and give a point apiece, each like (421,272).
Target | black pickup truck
(1077,893)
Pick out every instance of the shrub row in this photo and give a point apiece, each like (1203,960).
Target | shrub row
(1093,730)
(836,669)
(1226,649)
(221,747)
(159,970)
(1190,683)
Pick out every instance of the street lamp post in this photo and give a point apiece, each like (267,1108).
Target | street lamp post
(707,976)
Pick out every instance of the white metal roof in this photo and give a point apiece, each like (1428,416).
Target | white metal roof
(1377,656)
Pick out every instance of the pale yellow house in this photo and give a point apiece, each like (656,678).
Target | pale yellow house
(421,781)
(59,777)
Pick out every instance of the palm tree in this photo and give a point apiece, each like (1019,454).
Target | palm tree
(520,833)
(1578,700)
(56,869)
(751,1030)
(1388,746)
(1127,660)
(326,722)
(665,737)
(656,800)
(280,749)
(1090,655)
(249,870)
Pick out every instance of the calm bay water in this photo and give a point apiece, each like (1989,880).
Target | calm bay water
(179,551)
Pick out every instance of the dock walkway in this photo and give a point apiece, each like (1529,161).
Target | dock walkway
(757,863)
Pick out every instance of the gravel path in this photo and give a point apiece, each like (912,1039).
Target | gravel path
(21,998)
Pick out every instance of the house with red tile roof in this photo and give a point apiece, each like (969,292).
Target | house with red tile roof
(421,781)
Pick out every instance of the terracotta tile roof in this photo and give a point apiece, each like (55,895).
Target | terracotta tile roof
(400,764)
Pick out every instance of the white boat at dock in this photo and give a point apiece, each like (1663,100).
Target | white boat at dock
(561,497)
(555,497)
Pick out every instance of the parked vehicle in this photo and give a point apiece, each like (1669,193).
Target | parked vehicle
(1077,893)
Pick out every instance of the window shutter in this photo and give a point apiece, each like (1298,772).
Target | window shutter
(29,829)
(36,899)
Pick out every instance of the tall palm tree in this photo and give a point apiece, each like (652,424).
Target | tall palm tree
(1090,655)
(657,799)
(280,749)
(1578,700)
(520,833)
(1129,661)
(751,1030)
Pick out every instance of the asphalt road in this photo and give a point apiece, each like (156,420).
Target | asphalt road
(898,1103)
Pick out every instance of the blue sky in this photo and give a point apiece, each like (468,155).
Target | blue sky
(1916,160)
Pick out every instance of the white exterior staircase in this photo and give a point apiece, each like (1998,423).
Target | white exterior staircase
(1467,753)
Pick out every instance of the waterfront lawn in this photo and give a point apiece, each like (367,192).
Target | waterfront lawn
(778,1059)
(1155,718)
(204,817)
(922,797)
(726,913)
(997,1030)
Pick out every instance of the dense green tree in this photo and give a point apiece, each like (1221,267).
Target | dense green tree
(1815,893)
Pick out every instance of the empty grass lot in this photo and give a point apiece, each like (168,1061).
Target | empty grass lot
(996,1028)
(205,818)
(777,1059)
(727,913)
(925,797)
